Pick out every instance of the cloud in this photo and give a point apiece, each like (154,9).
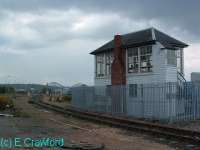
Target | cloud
(51,39)
(25,31)
(179,14)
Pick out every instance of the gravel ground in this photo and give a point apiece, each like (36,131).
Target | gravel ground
(117,134)
(190,125)
(37,122)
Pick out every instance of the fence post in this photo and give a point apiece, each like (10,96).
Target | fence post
(170,102)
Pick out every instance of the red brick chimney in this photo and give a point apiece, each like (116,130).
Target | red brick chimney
(118,75)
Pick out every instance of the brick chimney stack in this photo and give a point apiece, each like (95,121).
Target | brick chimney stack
(118,75)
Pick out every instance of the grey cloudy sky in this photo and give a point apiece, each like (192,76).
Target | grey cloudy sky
(50,40)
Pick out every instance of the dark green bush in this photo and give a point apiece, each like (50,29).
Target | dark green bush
(4,89)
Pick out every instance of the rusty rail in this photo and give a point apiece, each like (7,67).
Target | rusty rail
(179,134)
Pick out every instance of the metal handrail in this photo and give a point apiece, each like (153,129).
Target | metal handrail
(181,75)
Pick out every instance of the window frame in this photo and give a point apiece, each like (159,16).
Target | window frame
(99,65)
(103,64)
(171,58)
(148,56)
(108,90)
(133,90)
(108,63)
(131,59)
(179,59)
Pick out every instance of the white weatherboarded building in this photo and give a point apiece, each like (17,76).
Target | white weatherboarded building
(151,56)
(144,63)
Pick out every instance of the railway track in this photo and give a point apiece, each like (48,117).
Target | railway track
(155,129)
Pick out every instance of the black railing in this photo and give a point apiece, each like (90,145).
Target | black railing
(181,78)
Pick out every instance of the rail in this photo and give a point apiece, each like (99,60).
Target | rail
(136,125)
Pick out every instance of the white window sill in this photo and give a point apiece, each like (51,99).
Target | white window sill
(139,74)
(104,77)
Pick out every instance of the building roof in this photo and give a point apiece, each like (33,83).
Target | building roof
(143,37)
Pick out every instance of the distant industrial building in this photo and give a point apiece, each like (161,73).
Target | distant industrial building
(195,76)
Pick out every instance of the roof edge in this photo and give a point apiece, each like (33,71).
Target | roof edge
(153,33)
(126,46)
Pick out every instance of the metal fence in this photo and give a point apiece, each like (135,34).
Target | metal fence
(169,102)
